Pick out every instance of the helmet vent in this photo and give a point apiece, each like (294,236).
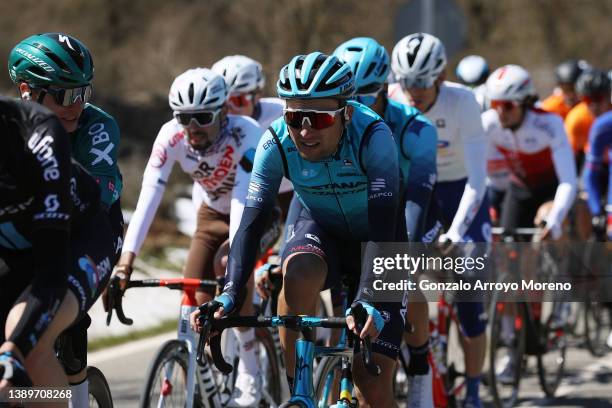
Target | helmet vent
(190,92)
(59,62)
(41,47)
(370,69)
(37,71)
(203,96)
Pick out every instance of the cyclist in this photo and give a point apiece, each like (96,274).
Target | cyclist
(593,87)
(210,145)
(56,70)
(348,191)
(418,62)
(473,71)
(54,243)
(540,160)
(565,97)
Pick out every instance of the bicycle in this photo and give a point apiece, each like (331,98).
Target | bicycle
(172,377)
(303,395)
(535,333)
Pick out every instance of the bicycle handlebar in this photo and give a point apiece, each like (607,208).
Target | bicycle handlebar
(115,294)
(209,323)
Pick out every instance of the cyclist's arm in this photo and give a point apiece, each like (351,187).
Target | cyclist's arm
(262,190)
(565,168)
(420,147)
(474,146)
(50,235)
(600,137)
(101,162)
(380,161)
(154,182)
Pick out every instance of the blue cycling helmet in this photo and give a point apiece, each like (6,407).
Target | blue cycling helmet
(315,75)
(369,61)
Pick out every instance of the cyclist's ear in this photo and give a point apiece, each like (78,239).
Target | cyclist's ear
(25,92)
(348,113)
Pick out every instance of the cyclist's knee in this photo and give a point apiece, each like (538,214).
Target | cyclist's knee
(472,318)
(304,273)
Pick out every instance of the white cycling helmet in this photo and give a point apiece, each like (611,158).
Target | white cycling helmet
(510,83)
(472,70)
(242,74)
(417,60)
(197,89)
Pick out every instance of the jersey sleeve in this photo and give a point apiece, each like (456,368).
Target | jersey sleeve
(102,137)
(267,172)
(154,182)
(419,145)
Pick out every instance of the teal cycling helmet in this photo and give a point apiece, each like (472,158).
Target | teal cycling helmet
(369,61)
(316,75)
(51,59)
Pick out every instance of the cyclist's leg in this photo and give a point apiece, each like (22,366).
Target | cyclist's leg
(309,265)
(211,231)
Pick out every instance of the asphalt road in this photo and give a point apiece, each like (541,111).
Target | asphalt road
(588,381)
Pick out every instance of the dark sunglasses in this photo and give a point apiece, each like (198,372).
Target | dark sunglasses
(202,118)
(317,119)
(504,105)
(67,97)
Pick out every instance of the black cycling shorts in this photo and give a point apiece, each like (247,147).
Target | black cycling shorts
(521,205)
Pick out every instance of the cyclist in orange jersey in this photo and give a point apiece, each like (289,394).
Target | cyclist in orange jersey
(564,97)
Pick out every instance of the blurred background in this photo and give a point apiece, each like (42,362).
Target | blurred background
(139,46)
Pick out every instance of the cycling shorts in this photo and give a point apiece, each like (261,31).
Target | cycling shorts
(521,205)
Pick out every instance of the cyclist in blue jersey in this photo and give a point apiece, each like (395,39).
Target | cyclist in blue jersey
(416,139)
(342,160)
(598,167)
(56,70)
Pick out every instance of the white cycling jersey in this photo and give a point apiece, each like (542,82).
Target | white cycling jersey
(537,154)
(461,147)
(221,173)
(269,110)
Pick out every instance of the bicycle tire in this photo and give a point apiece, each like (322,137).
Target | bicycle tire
(99,391)
(325,367)
(451,373)
(507,397)
(551,336)
(271,371)
(170,350)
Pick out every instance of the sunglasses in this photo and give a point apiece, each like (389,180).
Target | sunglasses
(595,98)
(201,118)
(419,83)
(67,97)
(241,100)
(317,119)
(504,105)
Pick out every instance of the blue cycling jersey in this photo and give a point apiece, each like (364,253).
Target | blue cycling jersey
(600,141)
(353,194)
(416,139)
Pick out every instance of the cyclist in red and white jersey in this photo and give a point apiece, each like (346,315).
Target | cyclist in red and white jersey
(536,150)
(216,149)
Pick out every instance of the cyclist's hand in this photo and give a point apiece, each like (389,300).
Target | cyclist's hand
(549,232)
(373,326)
(228,305)
(446,243)
(263,283)
(123,272)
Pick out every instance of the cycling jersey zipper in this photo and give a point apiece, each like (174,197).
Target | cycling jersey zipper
(331,182)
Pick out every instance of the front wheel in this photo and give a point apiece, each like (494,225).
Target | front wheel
(99,391)
(166,383)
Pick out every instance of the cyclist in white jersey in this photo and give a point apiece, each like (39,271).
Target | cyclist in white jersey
(418,63)
(210,145)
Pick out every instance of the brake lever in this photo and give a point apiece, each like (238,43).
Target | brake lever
(364,345)
(115,303)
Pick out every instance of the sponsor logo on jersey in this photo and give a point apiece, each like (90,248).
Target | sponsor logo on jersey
(95,273)
(158,156)
(386,316)
(313,237)
(307,248)
(77,285)
(100,136)
(378,184)
(210,177)
(269,143)
(237,134)
(347,163)
(15,208)
(443,144)
(43,152)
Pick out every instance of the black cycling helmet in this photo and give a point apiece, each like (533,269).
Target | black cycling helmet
(568,71)
(593,82)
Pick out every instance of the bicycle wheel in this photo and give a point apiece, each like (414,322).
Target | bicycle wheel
(270,370)
(597,326)
(506,356)
(99,391)
(167,378)
(327,381)
(551,363)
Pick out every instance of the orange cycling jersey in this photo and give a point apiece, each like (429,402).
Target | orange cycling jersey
(577,125)
(556,104)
